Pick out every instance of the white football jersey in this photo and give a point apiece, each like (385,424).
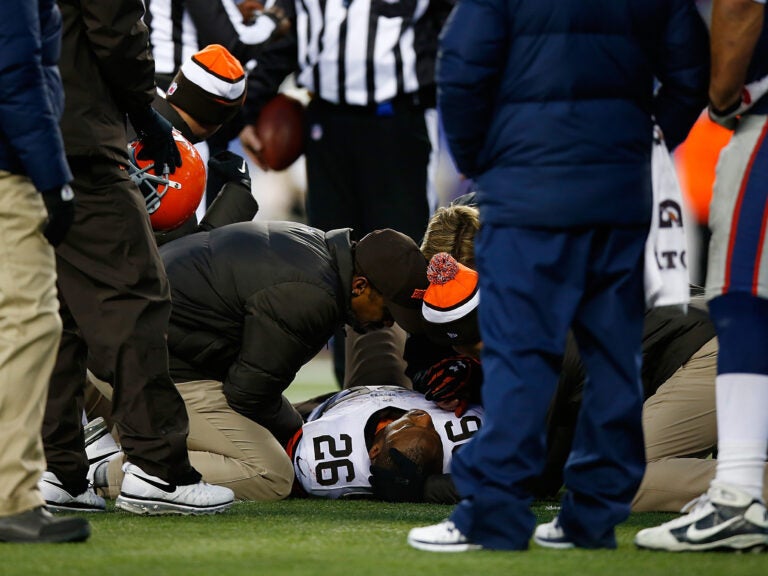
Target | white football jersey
(331,458)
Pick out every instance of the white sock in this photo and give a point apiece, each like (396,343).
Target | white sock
(742,430)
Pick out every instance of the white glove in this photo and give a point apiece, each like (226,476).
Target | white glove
(751,93)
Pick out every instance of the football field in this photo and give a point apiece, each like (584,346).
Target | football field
(325,538)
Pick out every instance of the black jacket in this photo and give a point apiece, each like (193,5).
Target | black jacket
(252,303)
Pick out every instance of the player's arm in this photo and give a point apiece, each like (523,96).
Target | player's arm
(736,26)
(283,327)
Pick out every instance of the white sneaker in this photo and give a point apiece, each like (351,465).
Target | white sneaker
(57,499)
(142,493)
(443,537)
(725,518)
(100,446)
(552,535)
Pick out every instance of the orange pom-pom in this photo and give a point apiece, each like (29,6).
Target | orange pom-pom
(442,268)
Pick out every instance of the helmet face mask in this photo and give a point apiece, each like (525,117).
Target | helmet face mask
(171,199)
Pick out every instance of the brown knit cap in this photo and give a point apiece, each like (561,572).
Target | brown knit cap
(210,86)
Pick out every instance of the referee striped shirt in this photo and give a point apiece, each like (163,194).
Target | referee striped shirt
(364,52)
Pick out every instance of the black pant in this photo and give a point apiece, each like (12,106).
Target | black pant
(367,171)
(115,305)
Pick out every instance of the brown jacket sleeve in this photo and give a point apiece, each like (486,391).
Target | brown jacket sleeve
(119,39)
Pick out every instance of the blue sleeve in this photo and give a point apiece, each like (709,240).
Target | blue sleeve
(683,70)
(468,70)
(30,93)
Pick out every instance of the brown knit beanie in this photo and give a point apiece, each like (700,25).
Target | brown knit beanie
(210,86)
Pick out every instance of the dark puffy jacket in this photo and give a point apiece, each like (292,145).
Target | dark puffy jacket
(252,303)
(548,104)
(31,94)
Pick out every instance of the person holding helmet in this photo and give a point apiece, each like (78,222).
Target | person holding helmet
(113,290)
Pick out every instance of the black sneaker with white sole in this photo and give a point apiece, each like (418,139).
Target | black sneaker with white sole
(725,518)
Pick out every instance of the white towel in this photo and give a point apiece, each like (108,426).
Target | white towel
(666,267)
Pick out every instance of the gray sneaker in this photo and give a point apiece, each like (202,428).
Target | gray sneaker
(725,518)
(57,499)
(142,493)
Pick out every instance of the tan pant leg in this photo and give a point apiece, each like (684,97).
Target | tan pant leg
(226,448)
(30,329)
(231,450)
(680,428)
(97,399)
(376,358)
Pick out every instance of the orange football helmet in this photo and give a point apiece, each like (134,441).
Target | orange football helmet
(171,199)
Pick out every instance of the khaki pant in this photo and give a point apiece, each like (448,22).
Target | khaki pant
(680,427)
(226,448)
(30,329)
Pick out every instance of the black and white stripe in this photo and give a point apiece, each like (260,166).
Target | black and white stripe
(172,34)
(366,52)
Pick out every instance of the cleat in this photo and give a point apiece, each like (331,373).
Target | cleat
(552,535)
(142,493)
(725,518)
(443,537)
(57,499)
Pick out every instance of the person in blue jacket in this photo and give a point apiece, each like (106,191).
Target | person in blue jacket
(34,175)
(549,106)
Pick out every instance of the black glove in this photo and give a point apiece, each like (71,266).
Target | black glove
(456,378)
(404,483)
(230,167)
(158,145)
(60,203)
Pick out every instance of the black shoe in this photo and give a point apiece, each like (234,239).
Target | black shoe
(39,525)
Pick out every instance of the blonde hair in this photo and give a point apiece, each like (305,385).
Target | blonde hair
(452,229)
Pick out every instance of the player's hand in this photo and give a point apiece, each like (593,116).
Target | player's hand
(248,9)
(156,135)
(457,378)
(252,146)
(230,167)
(60,204)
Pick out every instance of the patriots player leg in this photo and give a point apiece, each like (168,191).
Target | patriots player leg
(725,518)
(442,537)
(142,493)
(552,535)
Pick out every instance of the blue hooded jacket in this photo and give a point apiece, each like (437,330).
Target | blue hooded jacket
(31,93)
(549,104)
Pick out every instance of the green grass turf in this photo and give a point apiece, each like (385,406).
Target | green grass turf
(331,537)
(319,537)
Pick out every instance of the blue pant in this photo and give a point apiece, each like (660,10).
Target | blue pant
(536,284)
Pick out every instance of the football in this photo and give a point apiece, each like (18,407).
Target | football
(280,128)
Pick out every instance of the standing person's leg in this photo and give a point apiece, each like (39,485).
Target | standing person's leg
(607,458)
(524,318)
(113,280)
(29,334)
